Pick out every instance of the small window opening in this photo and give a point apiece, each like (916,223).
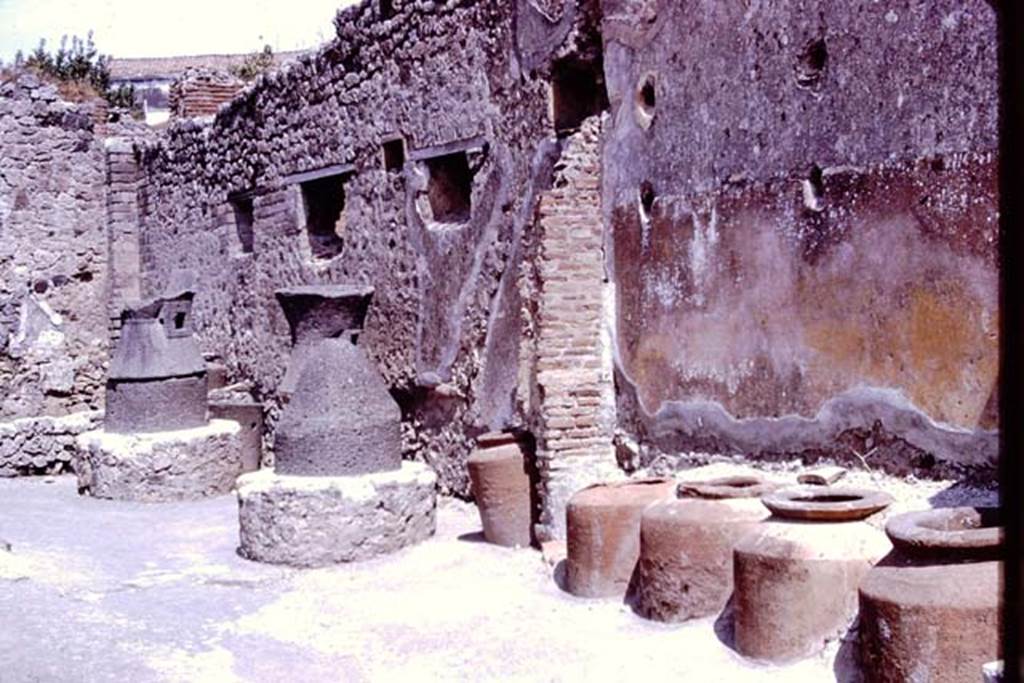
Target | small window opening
(241,205)
(450,188)
(577,93)
(324,203)
(179,321)
(394,154)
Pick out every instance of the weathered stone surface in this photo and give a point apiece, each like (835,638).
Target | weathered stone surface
(603,542)
(184,464)
(341,420)
(796,584)
(249,415)
(812,268)
(53,253)
(38,445)
(502,489)
(315,521)
(155,406)
(685,569)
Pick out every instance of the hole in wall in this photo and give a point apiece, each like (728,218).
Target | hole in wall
(647,198)
(646,100)
(811,64)
(241,207)
(324,202)
(179,320)
(577,93)
(449,188)
(394,154)
(814,189)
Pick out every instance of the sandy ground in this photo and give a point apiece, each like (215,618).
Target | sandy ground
(100,591)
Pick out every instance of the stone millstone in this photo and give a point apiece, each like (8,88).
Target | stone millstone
(796,584)
(341,420)
(317,521)
(184,464)
(501,487)
(603,542)
(685,569)
(155,406)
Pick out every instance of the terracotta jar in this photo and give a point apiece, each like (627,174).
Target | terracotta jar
(685,569)
(930,610)
(797,574)
(603,539)
(340,418)
(501,488)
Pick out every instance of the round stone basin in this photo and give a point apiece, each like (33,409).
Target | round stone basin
(825,503)
(736,486)
(953,533)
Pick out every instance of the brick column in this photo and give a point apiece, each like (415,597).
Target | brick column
(574,383)
(123,221)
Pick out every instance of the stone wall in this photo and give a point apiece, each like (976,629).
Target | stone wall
(408,154)
(53,253)
(803,203)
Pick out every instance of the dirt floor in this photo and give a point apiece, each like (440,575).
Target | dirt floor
(95,590)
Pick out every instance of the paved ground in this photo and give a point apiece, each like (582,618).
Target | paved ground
(105,591)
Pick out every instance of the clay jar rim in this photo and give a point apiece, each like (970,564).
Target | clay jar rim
(576,500)
(733,486)
(928,532)
(833,504)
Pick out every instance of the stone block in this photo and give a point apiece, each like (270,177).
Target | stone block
(184,464)
(306,521)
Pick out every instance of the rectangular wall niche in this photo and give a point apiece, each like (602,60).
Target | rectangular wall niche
(324,202)
(241,206)
(394,154)
(449,188)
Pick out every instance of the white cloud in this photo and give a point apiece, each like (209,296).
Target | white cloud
(141,28)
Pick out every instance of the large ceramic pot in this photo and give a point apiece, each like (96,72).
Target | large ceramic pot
(501,486)
(930,611)
(686,542)
(797,574)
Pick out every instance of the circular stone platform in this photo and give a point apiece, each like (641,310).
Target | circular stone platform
(315,521)
(183,464)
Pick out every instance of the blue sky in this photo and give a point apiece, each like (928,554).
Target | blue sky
(147,28)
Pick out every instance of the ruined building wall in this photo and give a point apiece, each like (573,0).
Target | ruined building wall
(200,92)
(432,121)
(53,254)
(803,203)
